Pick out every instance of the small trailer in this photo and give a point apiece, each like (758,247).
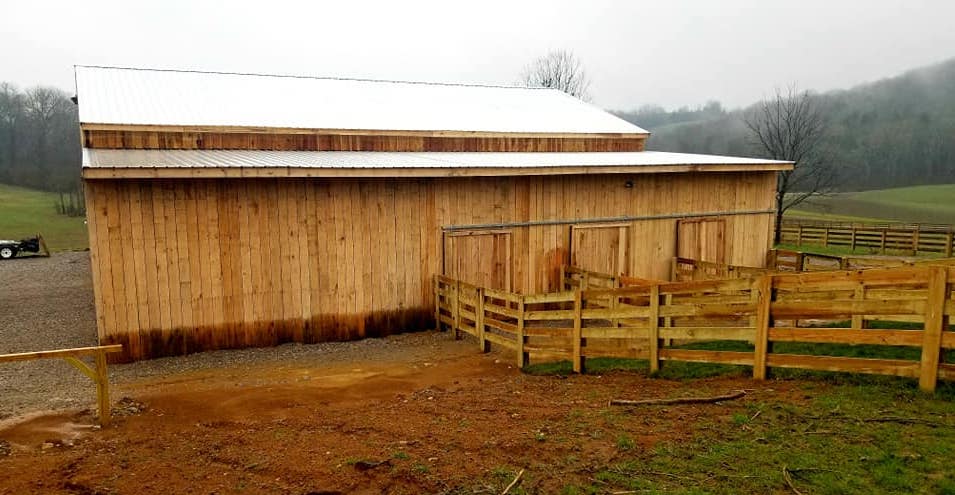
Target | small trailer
(9,249)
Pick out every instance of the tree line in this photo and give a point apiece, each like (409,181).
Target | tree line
(894,132)
(39,139)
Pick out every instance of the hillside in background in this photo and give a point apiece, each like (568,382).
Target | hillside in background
(920,204)
(894,132)
(26,212)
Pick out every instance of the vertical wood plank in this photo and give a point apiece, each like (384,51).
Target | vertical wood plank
(578,360)
(934,325)
(102,388)
(521,355)
(764,285)
(654,328)
(479,320)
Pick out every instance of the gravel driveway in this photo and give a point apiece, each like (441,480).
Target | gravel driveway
(47,303)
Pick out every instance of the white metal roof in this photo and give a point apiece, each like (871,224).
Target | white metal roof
(113,158)
(109,95)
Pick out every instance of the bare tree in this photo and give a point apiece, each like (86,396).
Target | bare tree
(559,69)
(791,126)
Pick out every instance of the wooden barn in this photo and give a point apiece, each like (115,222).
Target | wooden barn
(233,210)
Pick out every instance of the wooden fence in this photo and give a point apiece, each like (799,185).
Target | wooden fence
(98,372)
(641,321)
(784,260)
(909,238)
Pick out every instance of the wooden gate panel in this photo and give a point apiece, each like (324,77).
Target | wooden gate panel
(601,248)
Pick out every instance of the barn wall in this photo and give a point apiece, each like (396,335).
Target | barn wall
(187,265)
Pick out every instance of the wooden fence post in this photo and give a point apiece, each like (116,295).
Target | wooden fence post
(915,241)
(949,240)
(437,304)
(102,388)
(764,286)
(799,236)
(479,320)
(521,355)
(578,360)
(825,236)
(852,240)
(882,242)
(934,324)
(654,328)
(456,311)
(858,321)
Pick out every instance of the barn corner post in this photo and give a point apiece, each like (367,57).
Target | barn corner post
(763,285)
(935,322)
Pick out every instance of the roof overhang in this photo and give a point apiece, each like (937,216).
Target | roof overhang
(181,164)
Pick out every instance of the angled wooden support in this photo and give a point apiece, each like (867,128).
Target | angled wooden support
(98,373)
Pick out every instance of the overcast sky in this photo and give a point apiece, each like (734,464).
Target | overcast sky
(666,52)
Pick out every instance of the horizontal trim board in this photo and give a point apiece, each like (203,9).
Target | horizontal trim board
(354,132)
(666,216)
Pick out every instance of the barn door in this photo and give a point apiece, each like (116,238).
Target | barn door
(702,239)
(482,258)
(600,248)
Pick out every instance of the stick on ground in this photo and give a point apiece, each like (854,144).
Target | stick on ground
(516,479)
(685,400)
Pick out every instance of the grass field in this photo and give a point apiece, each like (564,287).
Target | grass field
(920,204)
(850,434)
(26,212)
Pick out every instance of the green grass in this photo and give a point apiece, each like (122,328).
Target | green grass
(827,217)
(849,434)
(26,212)
(925,204)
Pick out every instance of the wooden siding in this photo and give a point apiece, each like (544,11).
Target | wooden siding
(187,265)
(332,141)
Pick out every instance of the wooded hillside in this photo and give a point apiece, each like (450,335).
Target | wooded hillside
(894,132)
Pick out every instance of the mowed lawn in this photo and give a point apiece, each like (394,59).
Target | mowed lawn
(26,212)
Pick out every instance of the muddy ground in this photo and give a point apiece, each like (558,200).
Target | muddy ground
(452,421)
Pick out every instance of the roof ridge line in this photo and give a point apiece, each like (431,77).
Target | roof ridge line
(298,76)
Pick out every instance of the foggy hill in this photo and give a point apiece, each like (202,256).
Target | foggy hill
(897,131)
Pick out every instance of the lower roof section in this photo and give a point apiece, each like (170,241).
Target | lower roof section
(121,163)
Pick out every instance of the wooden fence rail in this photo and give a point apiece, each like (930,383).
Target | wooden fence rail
(98,372)
(910,238)
(645,320)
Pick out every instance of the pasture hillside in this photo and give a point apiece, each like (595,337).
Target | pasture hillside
(917,204)
(26,212)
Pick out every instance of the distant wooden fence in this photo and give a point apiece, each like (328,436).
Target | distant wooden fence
(882,238)
(98,373)
(784,260)
(639,321)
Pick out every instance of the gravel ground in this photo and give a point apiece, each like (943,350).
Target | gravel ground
(47,303)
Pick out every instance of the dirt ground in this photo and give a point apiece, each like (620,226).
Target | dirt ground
(454,421)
